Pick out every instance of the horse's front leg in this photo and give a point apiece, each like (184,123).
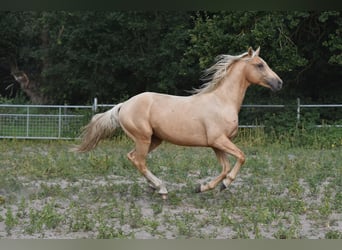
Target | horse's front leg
(222,158)
(232,149)
(223,145)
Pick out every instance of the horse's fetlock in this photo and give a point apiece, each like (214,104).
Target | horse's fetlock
(242,158)
(130,157)
(162,189)
(210,186)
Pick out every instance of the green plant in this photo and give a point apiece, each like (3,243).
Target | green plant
(46,218)
(287,233)
(109,232)
(333,235)
(21,213)
(10,221)
(157,208)
(81,220)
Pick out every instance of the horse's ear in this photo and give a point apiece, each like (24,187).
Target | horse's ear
(256,53)
(250,52)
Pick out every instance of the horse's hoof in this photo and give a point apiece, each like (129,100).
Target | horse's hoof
(163,196)
(223,187)
(198,189)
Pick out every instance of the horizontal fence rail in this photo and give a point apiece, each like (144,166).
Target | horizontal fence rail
(65,121)
(42,121)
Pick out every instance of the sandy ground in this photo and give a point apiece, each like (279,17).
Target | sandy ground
(172,220)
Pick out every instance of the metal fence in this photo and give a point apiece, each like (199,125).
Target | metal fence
(42,121)
(65,121)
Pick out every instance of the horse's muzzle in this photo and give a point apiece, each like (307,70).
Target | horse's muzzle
(275,84)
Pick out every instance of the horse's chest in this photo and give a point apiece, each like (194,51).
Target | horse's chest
(231,126)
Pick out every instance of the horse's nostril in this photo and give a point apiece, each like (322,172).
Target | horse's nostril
(280,83)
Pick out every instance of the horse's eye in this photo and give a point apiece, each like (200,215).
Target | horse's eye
(260,65)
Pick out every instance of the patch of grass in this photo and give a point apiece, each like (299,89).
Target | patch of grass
(10,221)
(44,219)
(333,235)
(109,232)
(81,220)
(291,232)
(283,186)
(157,208)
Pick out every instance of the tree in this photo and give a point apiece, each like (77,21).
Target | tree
(10,26)
(297,45)
(71,57)
(113,55)
(74,56)
(25,53)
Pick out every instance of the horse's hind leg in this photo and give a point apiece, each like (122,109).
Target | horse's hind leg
(138,158)
(155,142)
(222,158)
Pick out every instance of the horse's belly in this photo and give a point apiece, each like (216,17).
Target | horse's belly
(177,132)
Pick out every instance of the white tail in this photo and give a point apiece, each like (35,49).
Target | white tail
(100,127)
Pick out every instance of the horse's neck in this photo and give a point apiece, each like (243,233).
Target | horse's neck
(232,90)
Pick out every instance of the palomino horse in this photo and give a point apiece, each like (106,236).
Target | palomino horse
(208,118)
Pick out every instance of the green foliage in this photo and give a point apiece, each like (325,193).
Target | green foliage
(234,32)
(75,56)
(111,55)
(10,221)
(334,41)
(333,235)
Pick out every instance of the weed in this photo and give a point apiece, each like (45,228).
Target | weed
(185,225)
(256,231)
(325,207)
(184,229)
(2,200)
(226,219)
(109,232)
(153,224)
(296,189)
(291,232)
(241,231)
(135,218)
(333,235)
(49,191)
(157,208)
(338,201)
(81,221)
(136,190)
(174,199)
(47,218)
(21,213)
(10,221)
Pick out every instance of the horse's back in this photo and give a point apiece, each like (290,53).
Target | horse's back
(168,117)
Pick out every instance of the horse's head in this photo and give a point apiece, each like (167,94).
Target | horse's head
(258,72)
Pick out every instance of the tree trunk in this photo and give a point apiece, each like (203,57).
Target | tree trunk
(30,88)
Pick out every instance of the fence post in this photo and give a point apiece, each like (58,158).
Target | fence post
(95,105)
(298,111)
(27,121)
(59,121)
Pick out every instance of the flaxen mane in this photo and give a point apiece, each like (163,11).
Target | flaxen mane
(213,75)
